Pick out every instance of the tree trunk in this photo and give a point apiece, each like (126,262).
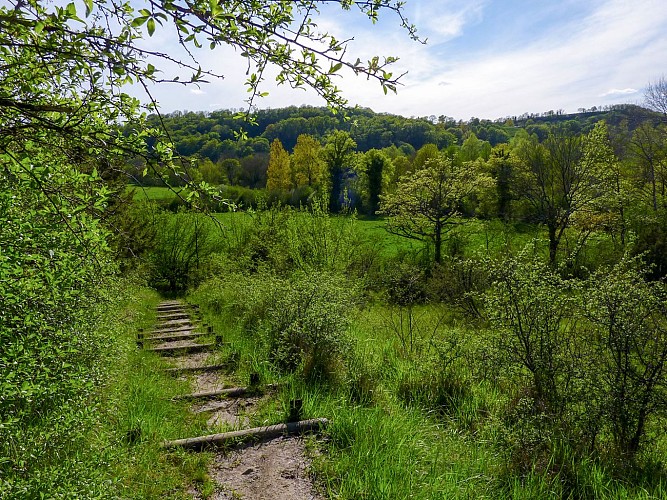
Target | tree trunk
(438,243)
(553,246)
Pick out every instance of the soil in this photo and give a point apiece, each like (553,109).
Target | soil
(191,360)
(273,470)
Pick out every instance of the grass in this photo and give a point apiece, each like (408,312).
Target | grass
(153,192)
(381,444)
(137,415)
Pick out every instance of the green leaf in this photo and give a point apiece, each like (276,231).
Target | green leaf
(151,26)
(138,21)
(335,68)
(89,6)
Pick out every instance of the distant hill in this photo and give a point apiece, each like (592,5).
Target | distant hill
(211,134)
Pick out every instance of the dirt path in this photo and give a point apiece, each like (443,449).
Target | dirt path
(272,470)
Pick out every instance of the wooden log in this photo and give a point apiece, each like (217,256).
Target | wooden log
(172,330)
(231,392)
(257,433)
(202,368)
(174,322)
(176,336)
(171,305)
(174,315)
(181,348)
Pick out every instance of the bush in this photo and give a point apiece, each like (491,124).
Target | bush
(183,242)
(55,280)
(627,376)
(528,304)
(302,321)
(307,325)
(460,282)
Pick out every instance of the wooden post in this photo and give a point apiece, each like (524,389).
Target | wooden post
(295,407)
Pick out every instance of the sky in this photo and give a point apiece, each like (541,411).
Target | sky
(482,58)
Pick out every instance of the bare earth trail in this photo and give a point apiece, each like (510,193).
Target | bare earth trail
(274,469)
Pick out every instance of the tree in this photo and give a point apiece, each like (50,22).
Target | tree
(182,244)
(338,153)
(307,164)
(562,178)
(211,172)
(376,172)
(278,174)
(648,146)
(472,148)
(425,204)
(501,165)
(655,95)
(424,154)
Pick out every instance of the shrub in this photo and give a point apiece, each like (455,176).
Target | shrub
(307,324)
(628,371)
(183,242)
(528,305)
(460,282)
(302,321)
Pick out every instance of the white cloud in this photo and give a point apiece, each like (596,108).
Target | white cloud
(196,91)
(593,59)
(617,46)
(444,19)
(619,92)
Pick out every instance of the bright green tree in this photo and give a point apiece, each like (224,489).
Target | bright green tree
(278,174)
(424,154)
(308,168)
(564,179)
(425,204)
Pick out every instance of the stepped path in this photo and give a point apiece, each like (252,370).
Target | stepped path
(250,463)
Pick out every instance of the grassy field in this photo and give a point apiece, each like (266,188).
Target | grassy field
(153,193)
(397,432)
(420,403)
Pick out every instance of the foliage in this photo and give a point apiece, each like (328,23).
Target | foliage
(307,324)
(527,302)
(55,268)
(338,154)
(629,373)
(425,204)
(302,321)
(278,175)
(308,169)
(565,177)
(375,172)
(461,282)
(182,245)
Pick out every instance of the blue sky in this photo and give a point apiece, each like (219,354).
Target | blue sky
(484,58)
